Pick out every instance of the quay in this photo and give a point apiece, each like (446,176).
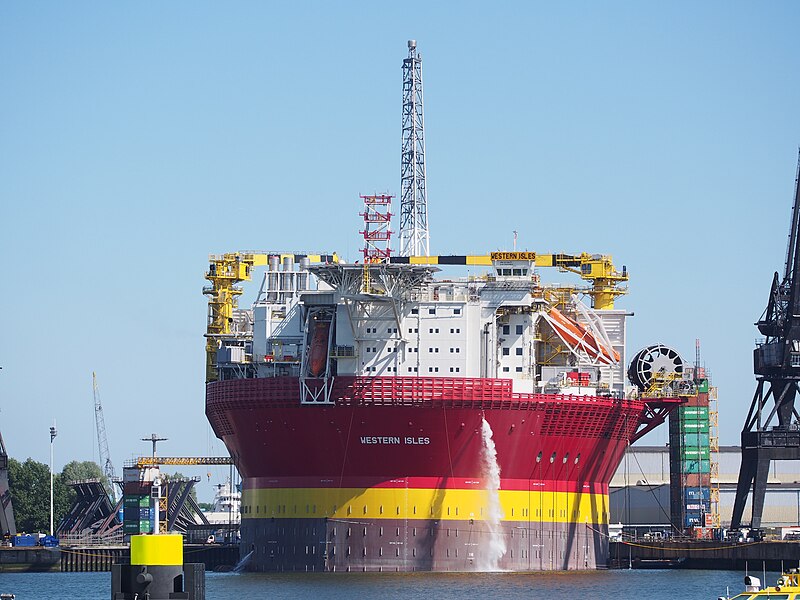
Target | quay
(215,557)
(772,555)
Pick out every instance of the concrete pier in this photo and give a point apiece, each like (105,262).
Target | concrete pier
(705,554)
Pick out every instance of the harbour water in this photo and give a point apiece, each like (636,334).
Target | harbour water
(622,584)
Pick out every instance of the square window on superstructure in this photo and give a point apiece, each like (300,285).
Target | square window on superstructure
(451,369)
(409,369)
(519,369)
(456,311)
(414,311)
(506,351)
(506,329)
(519,351)
(416,369)
(505,369)
(431,311)
(410,330)
(458,369)
(519,329)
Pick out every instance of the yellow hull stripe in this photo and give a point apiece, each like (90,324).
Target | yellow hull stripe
(438,504)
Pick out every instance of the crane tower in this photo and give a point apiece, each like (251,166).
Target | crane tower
(414,236)
(7,525)
(776,362)
(102,439)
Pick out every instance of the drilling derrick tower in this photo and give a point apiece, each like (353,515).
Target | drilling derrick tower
(414,236)
(776,363)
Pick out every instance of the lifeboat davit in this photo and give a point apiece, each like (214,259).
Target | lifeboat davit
(318,354)
(577,337)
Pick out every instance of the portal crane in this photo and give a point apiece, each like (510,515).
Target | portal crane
(225,271)
(102,439)
(776,363)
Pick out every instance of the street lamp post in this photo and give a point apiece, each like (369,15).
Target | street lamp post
(53,434)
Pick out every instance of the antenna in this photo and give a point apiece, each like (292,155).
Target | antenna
(414,236)
(155,439)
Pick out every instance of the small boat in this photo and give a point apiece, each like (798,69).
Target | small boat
(319,348)
(578,337)
(786,588)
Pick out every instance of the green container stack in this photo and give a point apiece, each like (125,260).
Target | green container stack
(132,522)
(695,450)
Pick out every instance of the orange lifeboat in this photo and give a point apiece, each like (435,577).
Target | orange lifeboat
(579,338)
(318,354)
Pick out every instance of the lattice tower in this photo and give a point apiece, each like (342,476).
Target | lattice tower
(414,236)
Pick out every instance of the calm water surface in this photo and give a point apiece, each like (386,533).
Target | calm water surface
(616,585)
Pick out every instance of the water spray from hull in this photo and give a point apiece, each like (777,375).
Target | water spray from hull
(494,548)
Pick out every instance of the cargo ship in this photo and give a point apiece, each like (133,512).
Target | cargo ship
(393,416)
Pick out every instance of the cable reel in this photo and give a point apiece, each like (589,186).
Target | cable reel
(652,360)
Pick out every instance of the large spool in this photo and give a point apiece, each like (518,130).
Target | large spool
(652,360)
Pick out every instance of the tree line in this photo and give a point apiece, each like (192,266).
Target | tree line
(29,483)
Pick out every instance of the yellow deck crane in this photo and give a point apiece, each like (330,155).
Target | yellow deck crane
(597,269)
(153,461)
(225,271)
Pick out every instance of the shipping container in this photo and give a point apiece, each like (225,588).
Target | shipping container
(23,540)
(702,385)
(144,514)
(698,506)
(695,454)
(130,527)
(695,439)
(695,493)
(690,427)
(693,413)
(692,519)
(696,480)
(696,466)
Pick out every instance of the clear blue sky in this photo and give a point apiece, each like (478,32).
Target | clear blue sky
(136,139)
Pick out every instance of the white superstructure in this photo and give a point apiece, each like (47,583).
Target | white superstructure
(504,324)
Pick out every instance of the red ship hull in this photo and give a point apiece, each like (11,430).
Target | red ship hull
(389,476)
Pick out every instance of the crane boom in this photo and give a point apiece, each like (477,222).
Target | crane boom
(152,461)
(597,269)
(102,439)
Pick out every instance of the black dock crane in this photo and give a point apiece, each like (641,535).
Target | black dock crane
(776,363)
